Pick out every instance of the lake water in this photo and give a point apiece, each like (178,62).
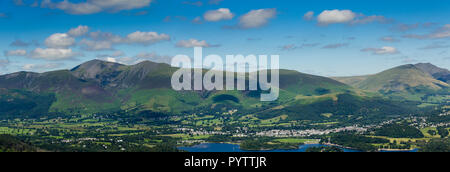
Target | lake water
(222,147)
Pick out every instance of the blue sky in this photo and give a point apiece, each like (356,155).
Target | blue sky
(337,38)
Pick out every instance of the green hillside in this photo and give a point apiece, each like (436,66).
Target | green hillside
(15,103)
(401,78)
(99,86)
(304,84)
(404,82)
(438,73)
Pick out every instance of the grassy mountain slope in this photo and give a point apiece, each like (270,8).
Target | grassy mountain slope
(404,82)
(154,92)
(437,73)
(400,79)
(305,84)
(18,102)
(99,86)
(351,80)
(70,92)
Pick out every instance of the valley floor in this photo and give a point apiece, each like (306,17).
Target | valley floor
(116,132)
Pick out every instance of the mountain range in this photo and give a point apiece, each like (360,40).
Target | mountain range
(100,86)
(412,82)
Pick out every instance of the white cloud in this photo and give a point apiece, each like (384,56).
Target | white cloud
(335,16)
(41,67)
(115,57)
(128,60)
(136,59)
(217,15)
(121,60)
(118,5)
(309,16)
(98,41)
(257,18)
(382,51)
(16,53)
(91,45)
(192,43)
(146,37)
(52,54)
(59,40)
(117,53)
(111,59)
(78,31)
(145,55)
(441,33)
(152,57)
(28,66)
(105,36)
(72,8)
(95,6)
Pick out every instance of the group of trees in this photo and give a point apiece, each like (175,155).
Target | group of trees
(9,143)
(358,142)
(15,103)
(399,131)
(324,149)
(436,145)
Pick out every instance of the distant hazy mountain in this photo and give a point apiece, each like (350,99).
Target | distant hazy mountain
(409,81)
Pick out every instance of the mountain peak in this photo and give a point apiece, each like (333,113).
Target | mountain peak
(430,68)
(428,64)
(407,66)
(400,79)
(437,72)
(94,69)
